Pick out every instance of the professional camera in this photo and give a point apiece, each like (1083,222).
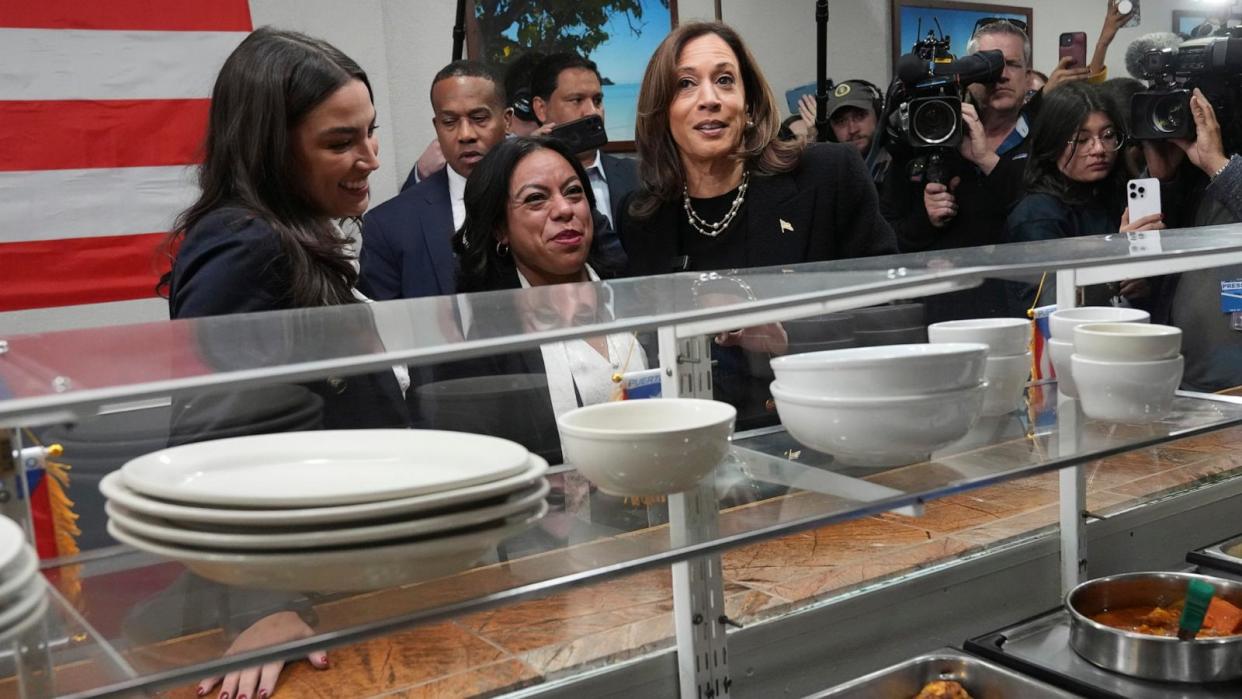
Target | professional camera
(932,85)
(924,103)
(1212,64)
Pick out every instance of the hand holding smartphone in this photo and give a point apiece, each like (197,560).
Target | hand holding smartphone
(1143,198)
(1074,45)
(581,135)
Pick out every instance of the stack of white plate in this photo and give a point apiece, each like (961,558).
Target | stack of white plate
(23,594)
(328,511)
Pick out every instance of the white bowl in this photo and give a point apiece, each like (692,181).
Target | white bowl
(893,370)
(1127,342)
(647,447)
(884,431)
(1060,351)
(1062,322)
(1007,378)
(1136,392)
(1004,337)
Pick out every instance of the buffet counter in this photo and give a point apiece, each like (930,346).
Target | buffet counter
(599,579)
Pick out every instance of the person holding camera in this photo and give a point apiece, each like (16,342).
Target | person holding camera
(1200,185)
(405,243)
(961,198)
(854,110)
(566,87)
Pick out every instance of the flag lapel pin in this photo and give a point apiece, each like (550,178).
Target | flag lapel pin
(786,226)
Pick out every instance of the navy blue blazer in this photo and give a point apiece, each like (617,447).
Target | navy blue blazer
(407,244)
(233,262)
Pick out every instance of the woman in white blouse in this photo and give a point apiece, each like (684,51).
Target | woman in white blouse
(530,223)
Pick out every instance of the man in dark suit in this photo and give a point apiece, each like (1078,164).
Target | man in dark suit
(565,87)
(406,241)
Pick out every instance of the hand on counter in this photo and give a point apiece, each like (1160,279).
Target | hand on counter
(260,682)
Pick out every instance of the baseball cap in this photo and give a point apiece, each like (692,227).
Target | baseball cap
(852,93)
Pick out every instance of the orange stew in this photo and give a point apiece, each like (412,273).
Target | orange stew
(1223,619)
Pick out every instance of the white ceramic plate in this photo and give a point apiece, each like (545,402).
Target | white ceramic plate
(25,623)
(113,488)
(261,540)
(328,467)
(12,543)
(24,568)
(352,569)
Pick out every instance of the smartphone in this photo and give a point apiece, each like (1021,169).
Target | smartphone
(581,135)
(1131,8)
(794,96)
(1074,45)
(1143,197)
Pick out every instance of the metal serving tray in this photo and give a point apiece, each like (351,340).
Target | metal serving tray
(1224,556)
(982,679)
(1040,648)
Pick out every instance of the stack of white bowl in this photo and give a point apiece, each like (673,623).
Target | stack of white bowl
(1009,356)
(1127,372)
(881,406)
(1061,345)
(328,511)
(23,593)
(646,448)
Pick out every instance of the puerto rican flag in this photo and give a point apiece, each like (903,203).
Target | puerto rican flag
(103,108)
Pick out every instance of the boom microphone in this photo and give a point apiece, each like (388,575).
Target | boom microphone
(1141,46)
(981,67)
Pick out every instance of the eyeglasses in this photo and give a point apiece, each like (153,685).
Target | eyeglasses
(1110,140)
(985,21)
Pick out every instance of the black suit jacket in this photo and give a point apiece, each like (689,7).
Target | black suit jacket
(622,176)
(407,244)
(825,209)
(232,262)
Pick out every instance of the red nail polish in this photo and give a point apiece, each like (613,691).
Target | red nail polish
(224,695)
(262,694)
(202,691)
(242,697)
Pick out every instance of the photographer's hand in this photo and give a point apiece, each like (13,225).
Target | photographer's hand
(940,203)
(1063,74)
(1207,151)
(975,141)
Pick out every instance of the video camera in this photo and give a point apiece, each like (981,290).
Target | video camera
(1213,64)
(925,100)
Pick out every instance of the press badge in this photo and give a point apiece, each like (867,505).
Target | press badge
(1231,296)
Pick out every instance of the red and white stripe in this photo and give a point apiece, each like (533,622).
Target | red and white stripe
(103,107)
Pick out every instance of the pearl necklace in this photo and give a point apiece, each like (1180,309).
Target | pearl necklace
(712,230)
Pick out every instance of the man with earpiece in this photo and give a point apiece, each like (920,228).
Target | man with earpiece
(854,109)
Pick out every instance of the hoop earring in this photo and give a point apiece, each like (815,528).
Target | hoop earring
(502,249)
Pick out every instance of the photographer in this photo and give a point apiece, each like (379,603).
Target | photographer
(1200,186)
(969,204)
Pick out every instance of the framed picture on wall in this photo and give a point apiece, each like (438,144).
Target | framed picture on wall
(1193,22)
(619,35)
(913,19)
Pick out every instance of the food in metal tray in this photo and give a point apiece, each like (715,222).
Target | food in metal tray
(1223,619)
(943,689)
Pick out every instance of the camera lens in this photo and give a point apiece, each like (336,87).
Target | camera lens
(1168,114)
(934,121)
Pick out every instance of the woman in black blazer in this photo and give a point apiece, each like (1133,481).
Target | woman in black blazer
(263,235)
(720,191)
(290,144)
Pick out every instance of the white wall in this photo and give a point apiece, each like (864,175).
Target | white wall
(402,43)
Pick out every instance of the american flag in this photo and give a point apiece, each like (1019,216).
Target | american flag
(103,105)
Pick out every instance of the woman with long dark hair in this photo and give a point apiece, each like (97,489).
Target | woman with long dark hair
(1073,179)
(290,145)
(1075,183)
